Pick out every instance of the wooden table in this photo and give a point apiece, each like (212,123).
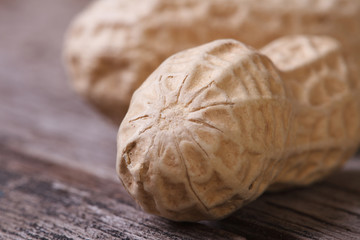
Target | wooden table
(57,157)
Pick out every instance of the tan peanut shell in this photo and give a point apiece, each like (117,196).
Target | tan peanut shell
(114,45)
(214,126)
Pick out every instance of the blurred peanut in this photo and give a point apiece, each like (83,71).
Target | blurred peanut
(114,45)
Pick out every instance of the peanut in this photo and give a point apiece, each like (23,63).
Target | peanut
(114,45)
(214,126)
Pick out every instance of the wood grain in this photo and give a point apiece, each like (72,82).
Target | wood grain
(57,157)
(44,200)
(326,210)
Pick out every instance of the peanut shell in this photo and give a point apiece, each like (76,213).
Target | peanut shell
(215,126)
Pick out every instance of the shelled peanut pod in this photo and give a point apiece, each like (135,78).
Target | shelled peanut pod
(114,45)
(215,126)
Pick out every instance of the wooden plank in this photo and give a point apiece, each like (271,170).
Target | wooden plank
(43,200)
(40,199)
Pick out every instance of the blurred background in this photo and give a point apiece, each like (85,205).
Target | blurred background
(39,114)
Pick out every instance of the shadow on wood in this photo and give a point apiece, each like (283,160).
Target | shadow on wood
(327,209)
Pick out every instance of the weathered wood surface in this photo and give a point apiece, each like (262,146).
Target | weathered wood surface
(43,200)
(57,156)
